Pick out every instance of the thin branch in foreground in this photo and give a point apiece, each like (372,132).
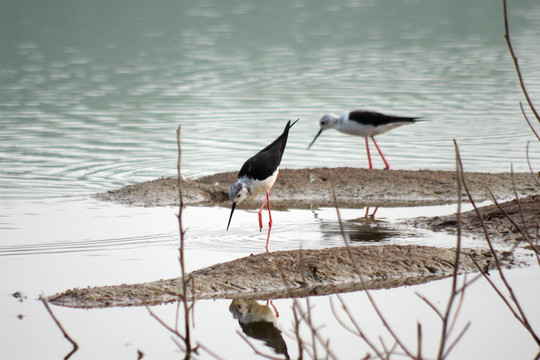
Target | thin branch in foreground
(165,325)
(357,330)
(185,344)
(447,323)
(520,207)
(523,232)
(419,336)
(364,287)
(534,177)
(316,337)
(57,322)
(210,352)
(516,65)
(528,122)
(254,348)
(307,317)
(518,313)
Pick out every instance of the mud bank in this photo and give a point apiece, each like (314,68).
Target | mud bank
(328,271)
(295,273)
(310,188)
(509,222)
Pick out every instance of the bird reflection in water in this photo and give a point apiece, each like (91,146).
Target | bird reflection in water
(259,322)
(367,215)
(367,228)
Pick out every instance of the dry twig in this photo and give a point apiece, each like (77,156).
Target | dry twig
(357,270)
(57,322)
(518,312)
(187,304)
(516,64)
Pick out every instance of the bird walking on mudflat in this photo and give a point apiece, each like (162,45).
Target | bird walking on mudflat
(367,124)
(258,175)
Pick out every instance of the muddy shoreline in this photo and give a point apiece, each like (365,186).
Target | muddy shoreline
(296,273)
(327,271)
(311,188)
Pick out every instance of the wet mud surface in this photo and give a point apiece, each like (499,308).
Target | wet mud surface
(309,188)
(295,273)
(510,222)
(327,271)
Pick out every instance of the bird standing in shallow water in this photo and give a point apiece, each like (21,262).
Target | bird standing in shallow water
(367,124)
(258,175)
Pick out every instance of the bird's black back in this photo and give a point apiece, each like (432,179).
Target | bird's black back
(377,119)
(263,164)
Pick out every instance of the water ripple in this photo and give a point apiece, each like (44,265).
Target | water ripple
(90,245)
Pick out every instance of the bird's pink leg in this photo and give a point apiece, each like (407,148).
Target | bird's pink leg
(368,156)
(260,212)
(264,202)
(366,215)
(270,221)
(380,153)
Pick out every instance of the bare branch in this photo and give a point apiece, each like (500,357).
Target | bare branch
(503,298)
(456,340)
(430,304)
(446,327)
(528,122)
(211,353)
(187,347)
(523,232)
(358,331)
(522,317)
(57,322)
(534,177)
(257,351)
(516,65)
(357,270)
(165,325)
(419,336)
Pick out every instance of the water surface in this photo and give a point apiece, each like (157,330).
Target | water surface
(91,95)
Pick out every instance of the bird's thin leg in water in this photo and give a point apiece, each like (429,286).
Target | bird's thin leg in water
(260,213)
(264,202)
(366,215)
(368,156)
(270,221)
(380,153)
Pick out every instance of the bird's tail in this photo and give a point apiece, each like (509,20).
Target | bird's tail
(295,121)
(283,137)
(289,125)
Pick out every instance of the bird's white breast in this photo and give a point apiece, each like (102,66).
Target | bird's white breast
(259,186)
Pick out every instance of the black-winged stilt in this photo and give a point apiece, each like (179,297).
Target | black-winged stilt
(367,124)
(258,175)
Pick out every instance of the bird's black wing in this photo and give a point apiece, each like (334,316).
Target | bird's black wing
(263,164)
(377,119)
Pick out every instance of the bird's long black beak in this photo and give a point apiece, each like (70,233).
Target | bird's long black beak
(232,210)
(316,136)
